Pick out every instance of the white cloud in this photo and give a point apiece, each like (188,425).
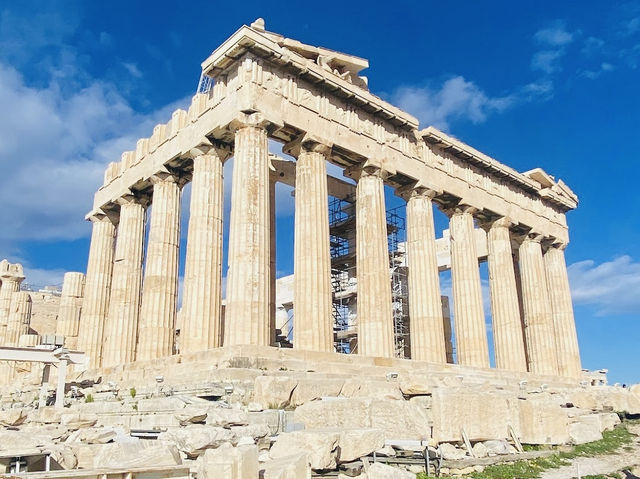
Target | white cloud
(457,98)
(593,74)
(547,60)
(556,35)
(612,287)
(133,69)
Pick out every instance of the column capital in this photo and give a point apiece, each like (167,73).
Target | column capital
(211,147)
(133,198)
(252,120)
(168,176)
(357,172)
(554,243)
(415,190)
(103,216)
(308,143)
(459,208)
(498,222)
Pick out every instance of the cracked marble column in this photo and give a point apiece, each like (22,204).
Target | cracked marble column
(68,323)
(19,317)
(425,306)
(471,333)
(97,290)
(247,318)
(375,317)
(508,336)
(11,276)
(538,320)
(567,350)
(156,329)
(121,328)
(312,293)
(202,299)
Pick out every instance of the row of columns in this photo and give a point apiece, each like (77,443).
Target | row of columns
(126,318)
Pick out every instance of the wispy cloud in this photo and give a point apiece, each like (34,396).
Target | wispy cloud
(612,287)
(552,39)
(593,74)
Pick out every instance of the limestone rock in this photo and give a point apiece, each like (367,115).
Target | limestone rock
(254,431)
(17,440)
(311,389)
(496,447)
(585,429)
(387,451)
(274,392)
(193,440)
(320,446)
(542,422)
(191,415)
(227,417)
(228,462)
(99,435)
(356,443)
(609,420)
(294,466)
(46,415)
(371,389)
(480,450)
(400,419)
(415,385)
(377,470)
(339,413)
(138,454)
(451,452)
(254,407)
(12,417)
(78,420)
(64,456)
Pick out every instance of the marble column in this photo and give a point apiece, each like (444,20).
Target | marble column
(425,306)
(68,323)
(19,317)
(471,333)
(202,298)
(272,258)
(375,316)
(97,290)
(505,309)
(562,311)
(156,329)
(247,319)
(313,322)
(538,319)
(10,284)
(121,328)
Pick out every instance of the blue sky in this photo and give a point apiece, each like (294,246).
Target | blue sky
(548,84)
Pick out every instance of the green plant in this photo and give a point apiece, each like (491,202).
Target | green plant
(88,398)
(132,391)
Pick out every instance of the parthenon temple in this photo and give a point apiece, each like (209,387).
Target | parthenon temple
(260,86)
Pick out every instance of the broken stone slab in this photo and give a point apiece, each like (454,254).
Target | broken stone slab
(320,446)
(585,429)
(13,417)
(228,462)
(194,439)
(191,415)
(226,417)
(480,450)
(93,435)
(138,454)
(274,392)
(46,415)
(17,440)
(496,447)
(415,385)
(371,389)
(608,421)
(377,470)
(254,431)
(78,420)
(309,390)
(294,466)
(542,422)
(64,456)
(356,443)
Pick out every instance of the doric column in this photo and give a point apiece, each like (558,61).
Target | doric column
(562,310)
(97,290)
(247,319)
(508,336)
(70,308)
(19,317)
(202,298)
(375,317)
(272,257)
(156,330)
(10,284)
(538,320)
(313,321)
(471,333)
(124,305)
(425,306)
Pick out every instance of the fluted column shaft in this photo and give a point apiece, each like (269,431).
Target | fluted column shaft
(313,321)
(425,307)
(202,299)
(375,317)
(508,336)
(68,323)
(538,320)
(247,319)
(272,258)
(19,317)
(95,307)
(471,333)
(562,310)
(156,331)
(124,305)
(9,286)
